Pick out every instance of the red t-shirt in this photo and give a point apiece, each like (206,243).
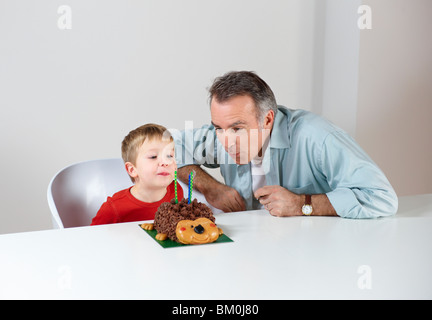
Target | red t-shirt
(124,207)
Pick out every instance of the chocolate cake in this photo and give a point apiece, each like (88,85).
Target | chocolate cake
(170,213)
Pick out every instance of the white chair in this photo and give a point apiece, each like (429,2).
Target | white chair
(76,192)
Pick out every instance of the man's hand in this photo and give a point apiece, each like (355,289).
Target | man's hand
(283,203)
(225,198)
(279,201)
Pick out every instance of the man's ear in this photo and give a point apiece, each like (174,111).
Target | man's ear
(268,120)
(131,170)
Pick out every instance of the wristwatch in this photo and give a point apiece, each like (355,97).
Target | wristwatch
(307,207)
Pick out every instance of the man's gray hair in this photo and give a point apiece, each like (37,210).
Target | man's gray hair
(239,83)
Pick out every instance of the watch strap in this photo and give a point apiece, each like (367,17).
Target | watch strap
(308,199)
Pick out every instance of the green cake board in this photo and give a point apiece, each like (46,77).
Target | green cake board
(168,243)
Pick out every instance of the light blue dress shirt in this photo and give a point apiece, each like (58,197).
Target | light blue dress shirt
(306,155)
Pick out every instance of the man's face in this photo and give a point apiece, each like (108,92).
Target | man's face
(238,129)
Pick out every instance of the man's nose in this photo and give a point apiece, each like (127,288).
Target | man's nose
(231,140)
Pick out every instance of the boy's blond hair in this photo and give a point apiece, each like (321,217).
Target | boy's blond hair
(134,140)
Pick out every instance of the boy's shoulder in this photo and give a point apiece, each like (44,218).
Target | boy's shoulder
(112,209)
(120,195)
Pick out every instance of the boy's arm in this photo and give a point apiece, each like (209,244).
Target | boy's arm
(217,194)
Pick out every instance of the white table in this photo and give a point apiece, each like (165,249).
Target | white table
(270,258)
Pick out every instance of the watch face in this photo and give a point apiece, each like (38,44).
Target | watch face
(307,209)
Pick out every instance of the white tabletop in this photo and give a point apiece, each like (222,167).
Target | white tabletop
(270,258)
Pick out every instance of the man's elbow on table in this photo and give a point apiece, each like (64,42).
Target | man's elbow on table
(363,204)
(388,205)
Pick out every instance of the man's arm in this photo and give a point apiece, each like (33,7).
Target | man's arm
(359,188)
(281,202)
(217,194)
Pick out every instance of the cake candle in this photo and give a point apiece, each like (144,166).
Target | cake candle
(175,186)
(190,186)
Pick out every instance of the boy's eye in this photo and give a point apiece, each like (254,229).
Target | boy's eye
(152,157)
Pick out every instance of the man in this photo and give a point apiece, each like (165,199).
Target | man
(290,162)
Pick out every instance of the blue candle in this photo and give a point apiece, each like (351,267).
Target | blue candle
(190,186)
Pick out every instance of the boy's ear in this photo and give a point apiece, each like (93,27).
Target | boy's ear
(130,168)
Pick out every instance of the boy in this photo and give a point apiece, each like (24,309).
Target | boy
(148,153)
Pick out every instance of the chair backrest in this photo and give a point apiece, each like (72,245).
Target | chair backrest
(76,192)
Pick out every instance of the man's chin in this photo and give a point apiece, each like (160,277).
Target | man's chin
(239,160)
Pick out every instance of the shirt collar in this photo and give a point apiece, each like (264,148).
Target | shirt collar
(280,137)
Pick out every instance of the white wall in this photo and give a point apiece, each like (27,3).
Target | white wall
(72,95)
(377,83)
(336,57)
(395,92)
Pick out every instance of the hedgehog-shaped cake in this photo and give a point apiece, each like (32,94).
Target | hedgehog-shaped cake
(185,223)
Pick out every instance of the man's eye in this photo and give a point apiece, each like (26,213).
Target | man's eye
(237,130)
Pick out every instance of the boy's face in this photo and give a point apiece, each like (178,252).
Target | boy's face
(155,164)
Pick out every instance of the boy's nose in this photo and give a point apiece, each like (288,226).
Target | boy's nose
(165,162)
